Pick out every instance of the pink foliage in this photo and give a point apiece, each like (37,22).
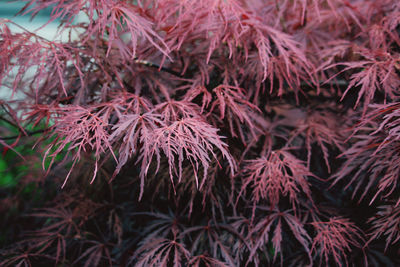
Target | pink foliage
(275,175)
(212,133)
(334,238)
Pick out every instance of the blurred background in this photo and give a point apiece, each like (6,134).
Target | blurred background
(11,165)
(9,9)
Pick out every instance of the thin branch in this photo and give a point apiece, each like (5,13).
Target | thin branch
(153,65)
(143,62)
(9,122)
(330,83)
(28,133)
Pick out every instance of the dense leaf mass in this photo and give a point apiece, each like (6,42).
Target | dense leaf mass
(202,133)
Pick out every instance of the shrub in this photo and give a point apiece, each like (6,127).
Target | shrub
(202,133)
